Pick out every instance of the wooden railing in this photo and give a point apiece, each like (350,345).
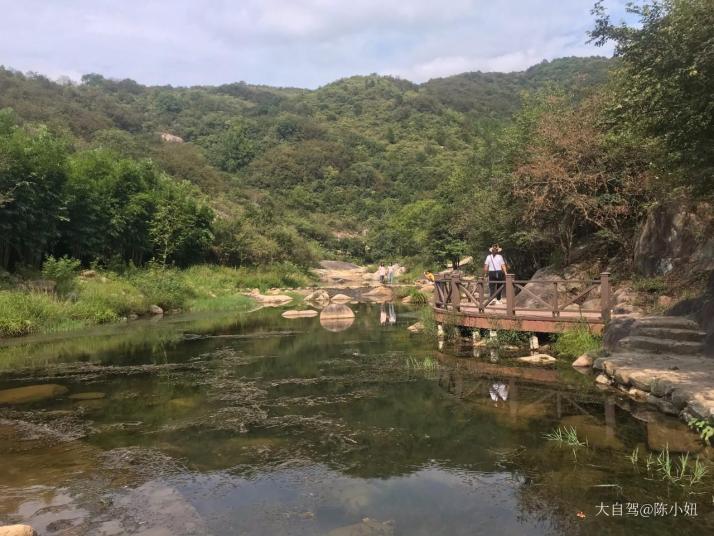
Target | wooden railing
(453,292)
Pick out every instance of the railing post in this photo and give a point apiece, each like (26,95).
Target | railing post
(605,295)
(455,291)
(510,296)
(481,293)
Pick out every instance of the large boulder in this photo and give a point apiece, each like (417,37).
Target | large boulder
(336,310)
(676,233)
(319,296)
(337,317)
(379,294)
(305,313)
(270,300)
(341,298)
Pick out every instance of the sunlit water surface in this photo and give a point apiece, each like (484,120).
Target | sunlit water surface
(255,424)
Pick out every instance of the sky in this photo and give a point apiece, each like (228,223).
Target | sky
(297,43)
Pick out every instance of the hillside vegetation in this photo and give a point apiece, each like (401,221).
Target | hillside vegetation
(368,167)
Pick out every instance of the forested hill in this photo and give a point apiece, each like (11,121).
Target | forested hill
(293,173)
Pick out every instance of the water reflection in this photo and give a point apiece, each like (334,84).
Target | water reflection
(387,314)
(265,425)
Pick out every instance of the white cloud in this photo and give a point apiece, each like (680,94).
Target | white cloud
(288,42)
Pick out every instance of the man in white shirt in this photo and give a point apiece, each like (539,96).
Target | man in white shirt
(495,267)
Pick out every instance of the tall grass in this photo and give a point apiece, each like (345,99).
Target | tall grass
(575,342)
(109,296)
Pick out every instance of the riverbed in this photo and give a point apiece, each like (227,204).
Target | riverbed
(256,424)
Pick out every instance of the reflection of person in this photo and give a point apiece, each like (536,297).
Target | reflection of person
(381,272)
(498,391)
(495,267)
(382,315)
(392,314)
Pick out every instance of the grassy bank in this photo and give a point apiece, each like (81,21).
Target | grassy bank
(99,297)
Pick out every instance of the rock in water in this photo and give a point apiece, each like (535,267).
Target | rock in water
(32,393)
(306,313)
(379,294)
(341,298)
(17,530)
(319,296)
(336,317)
(336,311)
(271,300)
(538,359)
(87,396)
(583,361)
(368,527)
(416,328)
(156,310)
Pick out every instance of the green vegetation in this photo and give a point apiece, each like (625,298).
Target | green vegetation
(510,337)
(367,168)
(417,297)
(576,342)
(703,427)
(566,435)
(103,296)
(428,364)
(679,470)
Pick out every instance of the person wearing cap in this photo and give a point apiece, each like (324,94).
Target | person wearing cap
(495,267)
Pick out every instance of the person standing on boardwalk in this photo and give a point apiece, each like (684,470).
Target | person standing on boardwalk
(495,267)
(390,274)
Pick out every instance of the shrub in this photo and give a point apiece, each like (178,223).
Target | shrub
(576,342)
(62,271)
(651,285)
(165,287)
(512,337)
(101,301)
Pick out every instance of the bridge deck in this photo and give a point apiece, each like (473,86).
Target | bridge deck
(541,321)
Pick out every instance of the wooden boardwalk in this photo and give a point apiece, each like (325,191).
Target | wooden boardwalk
(568,303)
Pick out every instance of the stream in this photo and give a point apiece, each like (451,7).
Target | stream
(254,424)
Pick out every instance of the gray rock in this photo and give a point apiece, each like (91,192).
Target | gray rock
(156,310)
(675,233)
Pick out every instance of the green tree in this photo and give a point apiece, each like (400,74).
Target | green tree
(32,175)
(663,86)
(181,227)
(231,150)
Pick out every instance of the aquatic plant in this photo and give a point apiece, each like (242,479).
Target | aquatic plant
(680,470)
(635,456)
(428,364)
(567,435)
(703,427)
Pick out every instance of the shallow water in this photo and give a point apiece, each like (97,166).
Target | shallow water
(254,424)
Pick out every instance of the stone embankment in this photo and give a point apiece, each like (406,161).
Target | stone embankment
(660,360)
